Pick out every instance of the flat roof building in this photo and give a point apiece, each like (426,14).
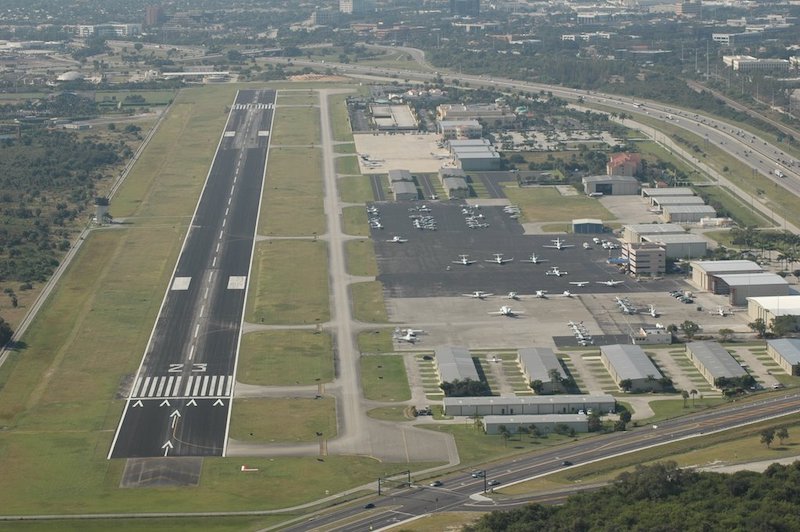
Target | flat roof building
(705,273)
(663,201)
(768,308)
(610,185)
(404,191)
(713,361)
(644,258)
(587,226)
(539,364)
(786,352)
(687,214)
(536,405)
(651,336)
(459,129)
(654,192)
(635,232)
(739,286)
(630,363)
(455,363)
(393,117)
(477,159)
(545,424)
(680,246)
(490,114)
(455,187)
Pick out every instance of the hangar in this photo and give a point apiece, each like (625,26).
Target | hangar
(477,159)
(535,405)
(786,352)
(539,364)
(587,226)
(635,232)
(705,272)
(610,185)
(768,308)
(687,214)
(454,182)
(630,363)
(739,286)
(680,246)
(455,363)
(545,424)
(713,361)
(669,201)
(648,192)
(402,184)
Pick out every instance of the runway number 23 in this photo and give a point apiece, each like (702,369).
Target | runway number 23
(196,368)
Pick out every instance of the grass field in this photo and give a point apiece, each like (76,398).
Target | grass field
(355,189)
(347,165)
(742,213)
(283,420)
(390,413)
(360,256)
(281,292)
(340,122)
(368,304)
(295,126)
(383,378)
(354,221)
(151,97)
(285,358)
(346,148)
(438,522)
(375,341)
(545,204)
(301,97)
(293,186)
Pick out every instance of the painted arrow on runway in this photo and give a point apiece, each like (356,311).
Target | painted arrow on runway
(219,402)
(167,446)
(165,403)
(191,403)
(138,404)
(175,415)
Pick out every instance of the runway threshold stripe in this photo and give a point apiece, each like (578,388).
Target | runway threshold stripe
(153,384)
(145,387)
(221,384)
(188,385)
(228,386)
(205,386)
(161,382)
(136,387)
(176,390)
(197,382)
(212,387)
(170,382)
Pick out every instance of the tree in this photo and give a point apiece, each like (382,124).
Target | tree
(725,334)
(767,436)
(759,327)
(505,433)
(685,396)
(537,386)
(5,332)
(693,393)
(626,385)
(690,329)
(782,434)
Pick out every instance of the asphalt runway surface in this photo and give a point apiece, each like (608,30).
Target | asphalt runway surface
(422,267)
(181,396)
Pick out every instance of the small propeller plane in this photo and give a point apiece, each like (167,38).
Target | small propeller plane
(498,259)
(720,311)
(541,294)
(463,260)
(610,282)
(555,271)
(513,295)
(651,309)
(579,283)
(533,259)
(559,244)
(397,240)
(506,311)
(478,294)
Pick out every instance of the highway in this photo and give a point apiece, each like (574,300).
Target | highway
(460,491)
(180,399)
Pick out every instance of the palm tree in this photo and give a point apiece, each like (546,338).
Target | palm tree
(685,396)
(693,393)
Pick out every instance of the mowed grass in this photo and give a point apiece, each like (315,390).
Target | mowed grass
(354,221)
(368,303)
(151,97)
(340,121)
(285,358)
(360,257)
(741,212)
(383,378)
(355,189)
(347,165)
(206,523)
(375,341)
(289,283)
(545,204)
(293,194)
(283,420)
(302,97)
(295,126)
(438,522)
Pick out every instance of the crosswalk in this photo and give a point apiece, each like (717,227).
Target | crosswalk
(177,386)
(246,106)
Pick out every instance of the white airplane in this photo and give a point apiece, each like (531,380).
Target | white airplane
(397,240)
(498,259)
(625,306)
(559,244)
(651,309)
(566,293)
(541,294)
(534,259)
(477,294)
(463,260)
(610,283)
(555,271)
(506,311)
(720,312)
(579,283)
(407,335)
(513,295)
(586,245)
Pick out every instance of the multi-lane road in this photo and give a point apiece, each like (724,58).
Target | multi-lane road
(180,399)
(461,491)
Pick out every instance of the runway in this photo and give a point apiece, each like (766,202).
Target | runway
(180,400)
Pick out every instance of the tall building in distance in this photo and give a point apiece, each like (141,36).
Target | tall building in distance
(354,7)
(153,15)
(465,8)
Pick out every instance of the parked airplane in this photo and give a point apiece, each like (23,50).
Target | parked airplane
(566,293)
(478,294)
(506,311)
(541,294)
(586,245)
(579,283)
(534,259)
(463,260)
(610,283)
(720,311)
(652,311)
(559,244)
(397,240)
(555,271)
(513,295)
(625,306)
(498,259)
